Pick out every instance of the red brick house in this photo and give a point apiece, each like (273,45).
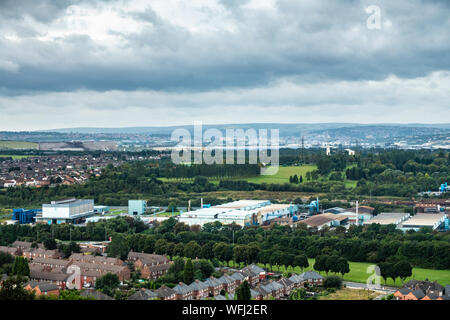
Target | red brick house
(42,288)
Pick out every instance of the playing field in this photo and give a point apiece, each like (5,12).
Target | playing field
(282,176)
(358,273)
(5,145)
(12,156)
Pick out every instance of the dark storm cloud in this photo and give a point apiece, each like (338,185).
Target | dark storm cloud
(43,10)
(306,41)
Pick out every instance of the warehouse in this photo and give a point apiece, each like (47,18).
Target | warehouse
(66,211)
(241,212)
(387,218)
(244,204)
(222,215)
(274,211)
(422,220)
(324,220)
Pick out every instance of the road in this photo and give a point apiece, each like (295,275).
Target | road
(357,285)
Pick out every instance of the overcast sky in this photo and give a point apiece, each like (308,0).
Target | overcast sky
(72,63)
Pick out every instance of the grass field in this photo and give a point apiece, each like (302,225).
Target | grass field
(350,294)
(18,145)
(282,176)
(168,214)
(13,156)
(358,273)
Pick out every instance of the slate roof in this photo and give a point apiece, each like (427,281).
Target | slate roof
(43,286)
(164,292)
(97,295)
(311,275)
(226,279)
(182,288)
(424,285)
(404,290)
(53,276)
(273,286)
(418,294)
(197,285)
(296,278)
(143,294)
(212,282)
(432,296)
(148,258)
(237,276)
(285,282)
(254,269)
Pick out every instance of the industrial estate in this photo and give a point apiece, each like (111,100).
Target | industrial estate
(228,156)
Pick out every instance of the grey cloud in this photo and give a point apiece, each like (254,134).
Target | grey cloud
(309,41)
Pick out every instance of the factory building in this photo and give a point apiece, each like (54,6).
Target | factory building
(23,216)
(242,212)
(137,207)
(387,218)
(66,211)
(421,220)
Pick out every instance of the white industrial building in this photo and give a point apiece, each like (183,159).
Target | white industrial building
(66,211)
(387,218)
(242,212)
(421,220)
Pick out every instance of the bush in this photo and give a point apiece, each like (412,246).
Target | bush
(332,282)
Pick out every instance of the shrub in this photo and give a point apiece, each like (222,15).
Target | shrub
(332,282)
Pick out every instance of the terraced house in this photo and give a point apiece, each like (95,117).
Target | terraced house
(151,266)
(183,292)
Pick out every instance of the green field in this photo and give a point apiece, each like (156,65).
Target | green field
(282,176)
(13,156)
(17,145)
(358,273)
(168,214)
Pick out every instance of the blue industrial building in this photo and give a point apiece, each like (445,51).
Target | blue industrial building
(24,216)
(137,207)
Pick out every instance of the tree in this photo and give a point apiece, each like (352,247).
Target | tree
(6,260)
(118,247)
(385,270)
(172,207)
(301,261)
(108,283)
(207,250)
(403,269)
(161,246)
(50,244)
(298,294)
(243,291)
(342,266)
(192,249)
(12,289)
(321,263)
(332,282)
(188,273)
(20,267)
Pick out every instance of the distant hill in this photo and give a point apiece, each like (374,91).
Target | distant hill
(335,129)
(382,132)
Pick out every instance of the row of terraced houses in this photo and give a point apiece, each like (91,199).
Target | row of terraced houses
(261,288)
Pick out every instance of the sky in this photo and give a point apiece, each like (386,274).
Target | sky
(123,63)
